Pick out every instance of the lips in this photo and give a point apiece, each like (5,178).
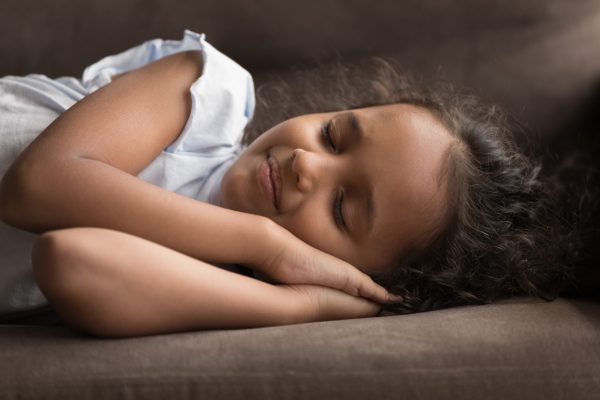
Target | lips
(270,179)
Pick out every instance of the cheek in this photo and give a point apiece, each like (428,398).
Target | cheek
(313,226)
(269,138)
(229,192)
(237,185)
(308,225)
(296,132)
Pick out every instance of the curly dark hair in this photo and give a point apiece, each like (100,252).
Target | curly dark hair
(501,229)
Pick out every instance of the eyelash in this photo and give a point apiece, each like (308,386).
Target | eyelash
(326,135)
(338,215)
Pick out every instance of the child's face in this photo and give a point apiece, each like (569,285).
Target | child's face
(397,161)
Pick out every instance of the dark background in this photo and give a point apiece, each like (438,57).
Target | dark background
(537,59)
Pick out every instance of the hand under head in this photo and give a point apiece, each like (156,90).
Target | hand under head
(365,185)
(461,216)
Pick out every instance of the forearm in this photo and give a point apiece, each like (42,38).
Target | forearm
(113,284)
(81,171)
(83,192)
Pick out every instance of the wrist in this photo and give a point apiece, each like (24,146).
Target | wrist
(300,304)
(266,236)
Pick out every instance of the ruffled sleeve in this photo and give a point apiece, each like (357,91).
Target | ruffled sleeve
(222,97)
(222,104)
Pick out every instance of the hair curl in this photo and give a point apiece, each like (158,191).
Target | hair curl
(501,229)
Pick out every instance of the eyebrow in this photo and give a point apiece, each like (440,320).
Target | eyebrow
(356,128)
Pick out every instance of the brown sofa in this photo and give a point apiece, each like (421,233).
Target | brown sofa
(538,60)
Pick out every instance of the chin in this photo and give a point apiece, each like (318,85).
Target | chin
(226,202)
(230,199)
(225,195)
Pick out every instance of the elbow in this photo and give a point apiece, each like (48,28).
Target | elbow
(58,272)
(14,196)
(21,188)
(45,262)
(50,260)
(8,194)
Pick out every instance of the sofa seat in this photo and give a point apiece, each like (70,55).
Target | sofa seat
(521,348)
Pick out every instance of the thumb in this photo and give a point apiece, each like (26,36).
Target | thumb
(356,283)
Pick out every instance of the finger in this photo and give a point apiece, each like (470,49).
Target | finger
(361,284)
(335,304)
(349,279)
(363,308)
(340,275)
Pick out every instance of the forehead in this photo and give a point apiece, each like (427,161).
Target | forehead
(403,153)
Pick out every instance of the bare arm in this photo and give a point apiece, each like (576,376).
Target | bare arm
(109,283)
(81,170)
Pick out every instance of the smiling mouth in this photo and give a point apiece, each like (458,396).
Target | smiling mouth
(270,179)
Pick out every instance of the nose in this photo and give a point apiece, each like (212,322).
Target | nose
(307,167)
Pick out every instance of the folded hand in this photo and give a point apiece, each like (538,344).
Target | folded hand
(317,303)
(292,261)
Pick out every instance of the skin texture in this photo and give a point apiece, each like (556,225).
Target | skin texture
(400,156)
(114,284)
(110,243)
(84,161)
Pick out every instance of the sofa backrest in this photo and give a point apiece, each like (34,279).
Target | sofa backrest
(537,59)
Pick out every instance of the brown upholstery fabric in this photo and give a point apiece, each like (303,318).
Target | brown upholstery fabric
(521,349)
(538,59)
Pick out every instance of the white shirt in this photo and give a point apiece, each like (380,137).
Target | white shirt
(193,165)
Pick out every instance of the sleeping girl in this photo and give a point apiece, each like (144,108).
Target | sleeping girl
(156,194)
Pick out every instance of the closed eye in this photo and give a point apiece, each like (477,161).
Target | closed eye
(326,135)
(338,214)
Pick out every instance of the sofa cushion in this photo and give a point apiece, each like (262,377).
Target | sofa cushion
(519,349)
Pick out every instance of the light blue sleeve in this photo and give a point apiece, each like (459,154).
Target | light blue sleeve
(222,97)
